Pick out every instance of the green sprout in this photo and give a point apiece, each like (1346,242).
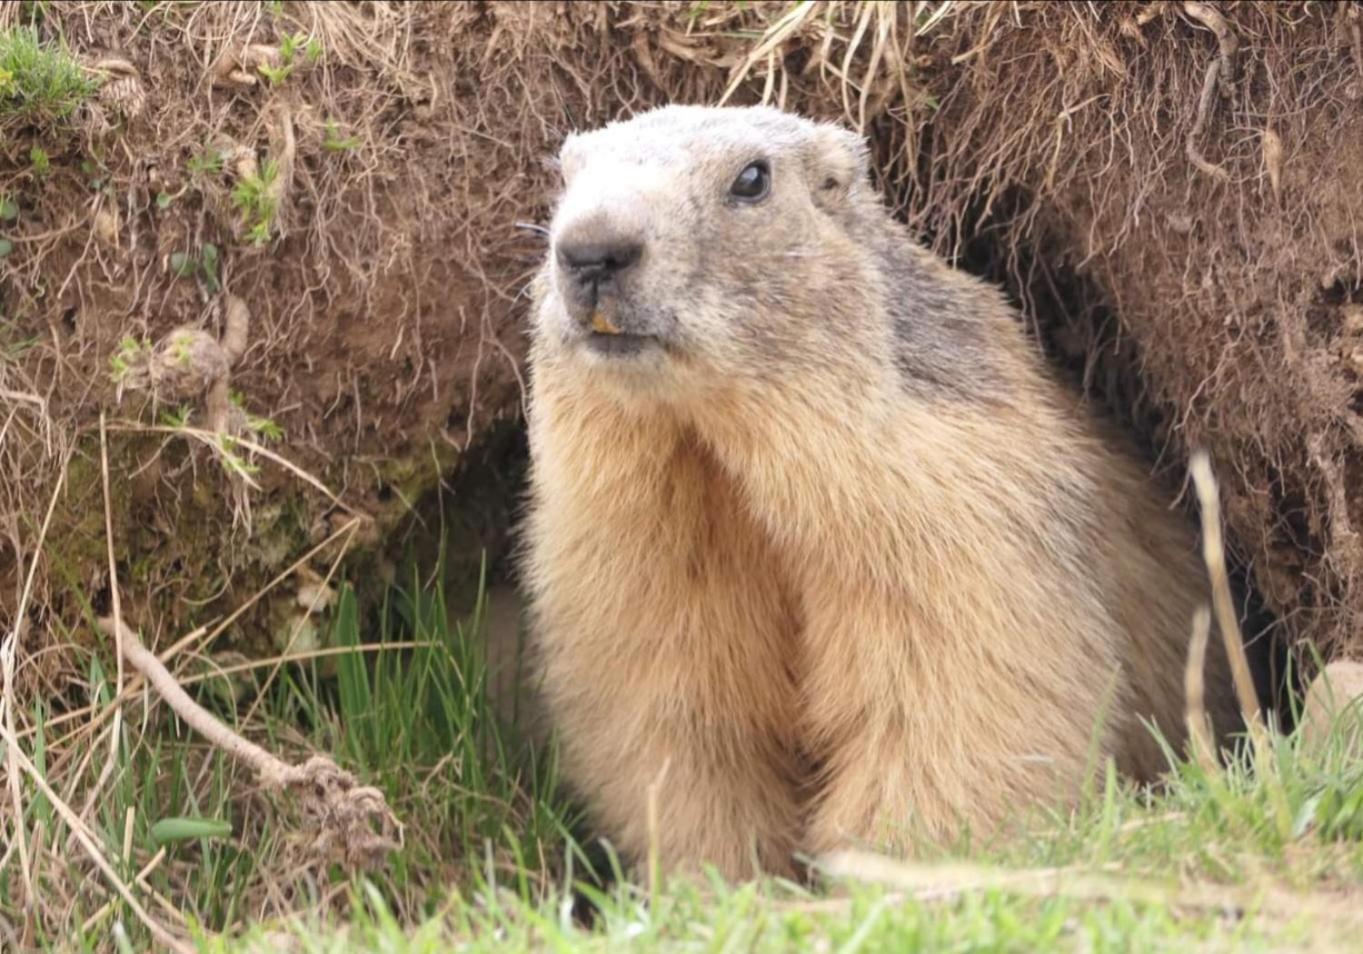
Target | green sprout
(254,197)
(333,141)
(130,353)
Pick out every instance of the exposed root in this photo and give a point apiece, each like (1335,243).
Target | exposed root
(1226,40)
(236,326)
(1272,145)
(1204,106)
(1150,11)
(1344,539)
(189,363)
(284,149)
(1356,34)
(239,66)
(1228,621)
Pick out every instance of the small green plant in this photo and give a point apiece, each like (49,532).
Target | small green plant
(207,162)
(181,348)
(40,161)
(289,48)
(334,141)
(290,45)
(178,417)
(130,353)
(275,74)
(97,177)
(263,426)
(9,211)
(232,460)
(39,82)
(208,259)
(254,197)
(204,266)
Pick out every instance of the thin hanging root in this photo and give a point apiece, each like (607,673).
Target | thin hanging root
(1204,105)
(1226,40)
(1223,603)
(1219,73)
(353,822)
(285,147)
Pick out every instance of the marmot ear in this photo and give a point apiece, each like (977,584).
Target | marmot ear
(839,165)
(569,156)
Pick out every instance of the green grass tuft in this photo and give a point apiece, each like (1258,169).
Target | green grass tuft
(39,82)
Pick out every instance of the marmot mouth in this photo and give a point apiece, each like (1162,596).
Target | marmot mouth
(620,345)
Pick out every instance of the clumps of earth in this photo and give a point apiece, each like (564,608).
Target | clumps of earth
(191,364)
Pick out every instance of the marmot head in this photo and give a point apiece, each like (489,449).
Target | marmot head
(693,245)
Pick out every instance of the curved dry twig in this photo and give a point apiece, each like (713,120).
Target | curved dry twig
(353,823)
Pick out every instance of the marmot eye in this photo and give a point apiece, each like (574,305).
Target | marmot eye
(753,183)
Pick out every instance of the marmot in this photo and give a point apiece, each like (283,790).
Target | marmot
(817,553)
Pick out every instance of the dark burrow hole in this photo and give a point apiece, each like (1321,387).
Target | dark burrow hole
(467,524)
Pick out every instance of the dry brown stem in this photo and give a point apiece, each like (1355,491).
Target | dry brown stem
(82,835)
(353,822)
(1194,687)
(947,882)
(1213,553)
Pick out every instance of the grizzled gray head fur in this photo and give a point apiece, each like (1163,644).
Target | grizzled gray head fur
(693,245)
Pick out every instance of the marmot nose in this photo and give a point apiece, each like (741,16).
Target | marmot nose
(593,262)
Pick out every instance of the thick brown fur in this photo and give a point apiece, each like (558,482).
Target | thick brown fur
(832,561)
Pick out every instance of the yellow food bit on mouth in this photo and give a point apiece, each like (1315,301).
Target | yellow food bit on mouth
(602,325)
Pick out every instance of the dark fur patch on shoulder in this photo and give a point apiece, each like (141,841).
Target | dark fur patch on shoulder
(945,345)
